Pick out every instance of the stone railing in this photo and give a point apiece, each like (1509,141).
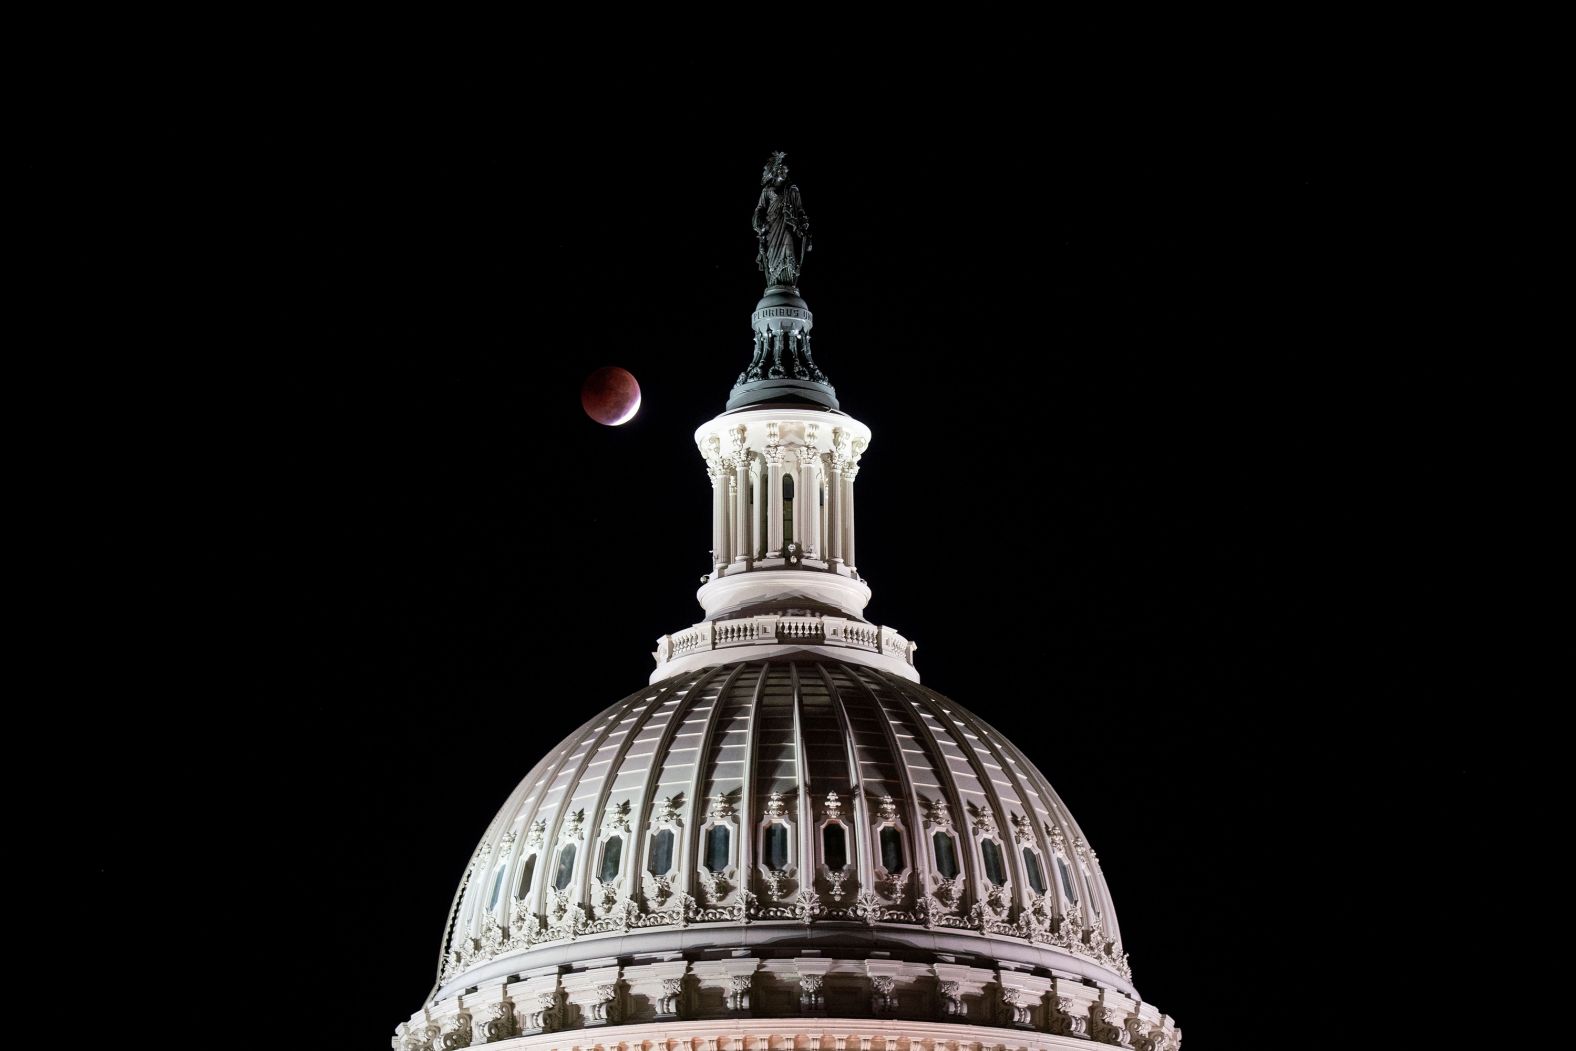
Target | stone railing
(775,630)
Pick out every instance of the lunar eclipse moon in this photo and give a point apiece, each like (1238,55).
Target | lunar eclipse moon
(610,396)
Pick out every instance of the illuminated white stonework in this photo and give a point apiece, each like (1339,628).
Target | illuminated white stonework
(784,841)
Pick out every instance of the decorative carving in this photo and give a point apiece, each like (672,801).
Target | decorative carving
(604,897)
(507,839)
(1022,830)
(834,808)
(543,1011)
(655,889)
(983,820)
(524,928)
(420,1038)
(603,1007)
(739,992)
(937,815)
(720,810)
(891,885)
(839,447)
(950,999)
(672,990)
(782,229)
(1034,922)
(776,806)
(456,1033)
(883,999)
(948,893)
(1110,1027)
(574,824)
(808,906)
(777,883)
(669,811)
(795,342)
(501,1023)
(714,886)
(616,819)
(491,941)
(538,833)
(837,879)
(1058,841)
(1145,1036)
(1016,1009)
(557,904)
(810,992)
(867,907)
(887,809)
(566,919)
(1066,1020)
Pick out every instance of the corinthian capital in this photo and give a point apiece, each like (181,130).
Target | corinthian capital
(839,445)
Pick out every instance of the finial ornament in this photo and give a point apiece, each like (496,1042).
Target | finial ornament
(782,230)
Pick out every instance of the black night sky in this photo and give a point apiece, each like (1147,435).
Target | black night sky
(1184,559)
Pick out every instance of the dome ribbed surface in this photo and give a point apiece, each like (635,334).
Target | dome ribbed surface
(791,802)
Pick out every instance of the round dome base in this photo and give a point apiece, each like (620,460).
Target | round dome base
(728,1033)
(782,391)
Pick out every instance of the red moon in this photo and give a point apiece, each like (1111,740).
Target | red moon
(610,396)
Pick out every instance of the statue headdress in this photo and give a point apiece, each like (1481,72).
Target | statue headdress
(774,168)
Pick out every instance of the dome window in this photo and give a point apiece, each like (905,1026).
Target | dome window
(946,855)
(892,850)
(1067,880)
(717,848)
(492,900)
(566,867)
(774,846)
(1031,862)
(995,871)
(612,854)
(525,877)
(662,853)
(834,847)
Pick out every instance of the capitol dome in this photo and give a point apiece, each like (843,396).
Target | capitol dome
(784,840)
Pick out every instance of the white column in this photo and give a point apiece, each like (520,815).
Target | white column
(834,508)
(848,514)
(774,502)
(823,513)
(741,496)
(758,509)
(805,497)
(741,511)
(731,536)
(719,516)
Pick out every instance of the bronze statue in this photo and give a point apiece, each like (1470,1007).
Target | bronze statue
(781,226)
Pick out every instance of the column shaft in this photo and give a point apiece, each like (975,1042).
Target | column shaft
(805,497)
(719,519)
(834,504)
(774,507)
(848,517)
(741,511)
